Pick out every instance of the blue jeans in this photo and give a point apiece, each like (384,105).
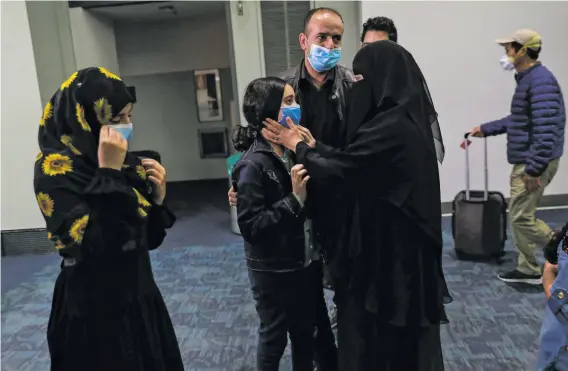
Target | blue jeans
(553,354)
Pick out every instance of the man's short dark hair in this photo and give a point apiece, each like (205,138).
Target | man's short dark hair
(380,24)
(316,10)
(531,53)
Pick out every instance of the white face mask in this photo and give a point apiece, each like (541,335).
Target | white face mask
(506,63)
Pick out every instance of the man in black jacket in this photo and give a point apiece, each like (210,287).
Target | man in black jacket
(322,96)
(321,85)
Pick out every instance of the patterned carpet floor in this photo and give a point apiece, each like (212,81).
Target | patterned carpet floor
(494,326)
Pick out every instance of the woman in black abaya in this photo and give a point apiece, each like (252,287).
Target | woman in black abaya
(387,264)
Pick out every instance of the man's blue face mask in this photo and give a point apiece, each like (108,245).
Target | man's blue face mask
(294,112)
(323,59)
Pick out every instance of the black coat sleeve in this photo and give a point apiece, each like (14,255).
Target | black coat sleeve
(257,219)
(373,144)
(323,149)
(160,219)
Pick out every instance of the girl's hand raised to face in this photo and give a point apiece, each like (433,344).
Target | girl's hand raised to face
(289,137)
(112,148)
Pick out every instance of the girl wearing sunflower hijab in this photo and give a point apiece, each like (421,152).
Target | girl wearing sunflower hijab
(103,210)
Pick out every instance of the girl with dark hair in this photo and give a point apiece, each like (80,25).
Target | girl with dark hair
(103,212)
(282,261)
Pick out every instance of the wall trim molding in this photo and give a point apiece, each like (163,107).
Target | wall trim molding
(34,241)
(107,4)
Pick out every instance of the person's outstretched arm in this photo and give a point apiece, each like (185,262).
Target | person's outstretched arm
(368,146)
(496,127)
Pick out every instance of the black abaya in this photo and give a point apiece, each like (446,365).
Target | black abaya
(390,286)
(107,311)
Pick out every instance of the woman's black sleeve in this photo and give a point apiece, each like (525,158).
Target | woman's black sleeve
(160,219)
(101,219)
(373,144)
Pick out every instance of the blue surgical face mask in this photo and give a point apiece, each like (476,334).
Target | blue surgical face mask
(124,129)
(294,112)
(323,59)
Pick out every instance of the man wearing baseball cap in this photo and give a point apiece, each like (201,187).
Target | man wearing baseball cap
(535,143)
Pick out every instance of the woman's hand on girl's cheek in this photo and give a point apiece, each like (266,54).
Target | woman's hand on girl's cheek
(273,126)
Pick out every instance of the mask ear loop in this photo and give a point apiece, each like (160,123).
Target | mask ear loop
(531,43)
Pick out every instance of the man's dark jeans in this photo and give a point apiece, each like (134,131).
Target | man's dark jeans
(289,303)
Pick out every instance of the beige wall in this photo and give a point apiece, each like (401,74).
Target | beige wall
(93,41)
(54,56)
(21,110)
(460,61)
(350,11)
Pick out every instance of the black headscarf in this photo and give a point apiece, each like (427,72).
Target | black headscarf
(386,107)
(69,139)
(393,80)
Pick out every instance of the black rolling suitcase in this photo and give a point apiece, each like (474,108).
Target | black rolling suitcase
(479,219)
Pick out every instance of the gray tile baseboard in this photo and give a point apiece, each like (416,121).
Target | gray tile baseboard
(546,201)
(26,241)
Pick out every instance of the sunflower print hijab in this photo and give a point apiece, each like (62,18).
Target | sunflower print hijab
(69,138)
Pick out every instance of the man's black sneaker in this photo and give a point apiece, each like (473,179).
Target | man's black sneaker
(519,277)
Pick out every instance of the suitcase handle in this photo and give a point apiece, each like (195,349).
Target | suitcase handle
(467,177)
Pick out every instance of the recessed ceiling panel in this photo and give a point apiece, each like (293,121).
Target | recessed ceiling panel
(159,10)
